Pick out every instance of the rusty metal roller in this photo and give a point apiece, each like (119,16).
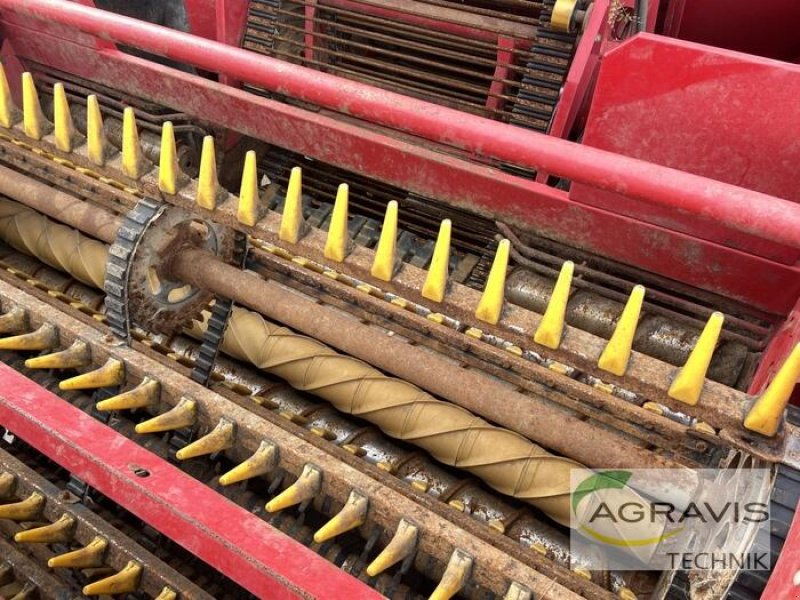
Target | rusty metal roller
(505,460)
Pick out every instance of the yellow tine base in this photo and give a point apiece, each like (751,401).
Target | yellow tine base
(337,240)
(59,532)
(124,582)
(455,576)
(96,144)
(14,321)
(88,557)
(143,395)
(291,229)
(182,415)
(76,356)
(7,483)
(209,191)
(9,114)
(551,327)
(688,384)
(617,353)
(767,412)
(247,211)
(490,307)
(34,123)
(44,338)
(517,591)
(305,488)
(219,439)
(134,162)
(169,175)
(401,546)
(436,281)
(383,265)
(29,509)
(263,461)
(64,126)
(109,375)
(352,515)
(167,594)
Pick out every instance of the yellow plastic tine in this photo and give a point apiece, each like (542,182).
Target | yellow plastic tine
(263,461)
(143,395)
(455,576)
(617,352)
(247,212)
(305,488)
(688,384)
(209,191)
(218,439)
(14,321)
(436,280)
(167,594)
(402,545)
(9,114)
(7,483)
(383,266)
(34,123)
(169,175)
(337,240)
(551,327)
(134,162)
(292,219)
(124,582)
(77,355)
(64,127)
(517,591)
(29,509)
(97,147)
(61,531)
(766,414)
(88,557)
(181,415)
(43,338)
(490,307)
(111,374)
(352,515)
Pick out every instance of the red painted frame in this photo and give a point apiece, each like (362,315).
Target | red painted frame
(234,541)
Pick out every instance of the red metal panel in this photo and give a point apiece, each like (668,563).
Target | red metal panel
(202,18)
(784,582)
(752,221)
(237,543)
(776,352)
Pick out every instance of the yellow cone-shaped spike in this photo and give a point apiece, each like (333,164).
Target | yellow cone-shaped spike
(96,145)
(64,126)
(168,170)
(517,591)
(767,412)
(124,582)
(436,280)
(14,321)
(35,124)
(617,352)
(88,557)
(9,114)
(44,338)
(76,356)
(167,594)
(134,163)
(490,306)
(551,327)
(383,266)
(111,374)
(292,219)
(247,211)
(182,415)
(7,483)
(305,488)
(59,532)
(219,439)
(336,243)
(688,384)
(455,576)
(29,509)
(143,395)
(401,546)
(209,191)
(263,461)
(352,515)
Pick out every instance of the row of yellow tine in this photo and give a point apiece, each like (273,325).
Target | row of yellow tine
(62,531)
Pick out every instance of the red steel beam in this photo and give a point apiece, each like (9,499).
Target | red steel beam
(236,542)
(746,211)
